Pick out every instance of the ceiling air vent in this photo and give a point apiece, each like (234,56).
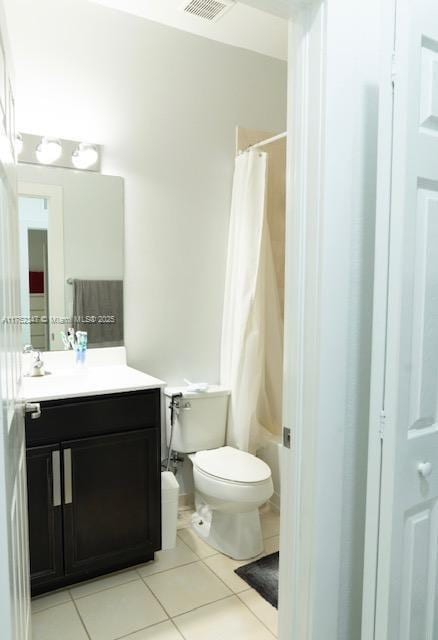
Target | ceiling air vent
(210,10)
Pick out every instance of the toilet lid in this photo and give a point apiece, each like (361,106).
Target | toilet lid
(232,464)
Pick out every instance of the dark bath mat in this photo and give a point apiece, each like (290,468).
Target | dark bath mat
(262,575)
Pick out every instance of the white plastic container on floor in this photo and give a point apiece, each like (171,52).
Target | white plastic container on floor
(169,509)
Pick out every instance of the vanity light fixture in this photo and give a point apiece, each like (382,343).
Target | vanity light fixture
(84,156)
(49,150)
(18,144)
(31,148)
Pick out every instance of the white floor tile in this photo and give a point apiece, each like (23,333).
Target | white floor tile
(58,622)
(224,568)
(227,618)
(106,582)
(200,594)
(184,518)
(119,611)
(261,608)
(50,600)
(270,522)
(169,559)
(184,588)
(196,544)
(162,631)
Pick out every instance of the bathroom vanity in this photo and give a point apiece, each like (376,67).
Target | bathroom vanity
(93,469)
(93,454)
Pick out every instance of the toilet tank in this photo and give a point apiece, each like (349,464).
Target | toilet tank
(200,419)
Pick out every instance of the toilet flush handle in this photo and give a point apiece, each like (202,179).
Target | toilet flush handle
(181,403)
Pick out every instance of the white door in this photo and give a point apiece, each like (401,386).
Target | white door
(14,564)
(400,589)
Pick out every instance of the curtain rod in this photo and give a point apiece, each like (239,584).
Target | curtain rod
(263,143)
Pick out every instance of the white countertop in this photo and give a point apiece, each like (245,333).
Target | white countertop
(88,381)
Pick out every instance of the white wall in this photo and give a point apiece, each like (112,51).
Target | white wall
(267,35)
(347,268)
(164,104)
(271,453)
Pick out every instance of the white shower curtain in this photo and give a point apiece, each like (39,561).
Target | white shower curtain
(252,331)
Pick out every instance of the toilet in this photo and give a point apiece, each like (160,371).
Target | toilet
(230,485)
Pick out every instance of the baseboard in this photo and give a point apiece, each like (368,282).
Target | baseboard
(186,500)
(275,502)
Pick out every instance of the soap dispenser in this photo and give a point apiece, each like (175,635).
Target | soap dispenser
(37,367)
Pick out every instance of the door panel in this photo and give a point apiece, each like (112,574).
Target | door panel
(118,521)
(412,384)
(415,578)
(45,515)
(424,376)
(429,86)
(405,590)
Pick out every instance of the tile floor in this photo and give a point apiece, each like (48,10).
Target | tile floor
(188,593)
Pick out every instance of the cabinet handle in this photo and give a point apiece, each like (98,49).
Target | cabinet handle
(56,478)
(67,477)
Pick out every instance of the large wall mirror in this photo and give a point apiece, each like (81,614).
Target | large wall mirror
(71,226)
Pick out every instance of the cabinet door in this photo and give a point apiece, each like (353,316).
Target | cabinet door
(45,515)
(112,501)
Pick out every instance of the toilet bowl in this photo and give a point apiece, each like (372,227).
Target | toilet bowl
(230,486)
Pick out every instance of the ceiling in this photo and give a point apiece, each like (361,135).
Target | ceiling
(242,26)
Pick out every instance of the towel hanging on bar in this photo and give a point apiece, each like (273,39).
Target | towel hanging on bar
(98,310)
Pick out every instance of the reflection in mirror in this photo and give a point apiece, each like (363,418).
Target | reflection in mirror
(34,276)
(71,256)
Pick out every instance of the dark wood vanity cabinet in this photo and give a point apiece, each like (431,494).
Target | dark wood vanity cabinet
(45,519)
(112,519)
(94,486)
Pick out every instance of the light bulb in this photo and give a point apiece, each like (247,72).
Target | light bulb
(84,156)
(49,150)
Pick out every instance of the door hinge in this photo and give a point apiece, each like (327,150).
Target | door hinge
(393,68)
(286,437)
(34,408)
(382,424)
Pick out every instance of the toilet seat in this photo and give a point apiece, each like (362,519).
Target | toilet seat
(228,464)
